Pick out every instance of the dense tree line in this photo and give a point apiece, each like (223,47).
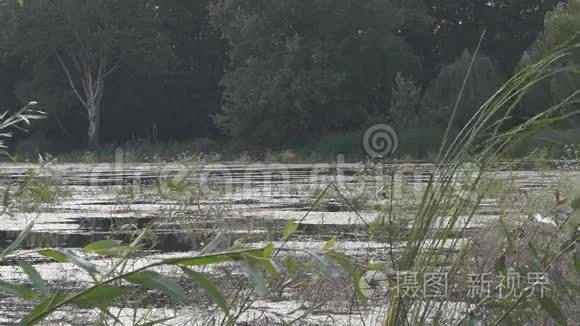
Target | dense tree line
(263,73)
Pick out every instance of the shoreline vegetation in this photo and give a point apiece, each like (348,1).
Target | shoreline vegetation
(549,145)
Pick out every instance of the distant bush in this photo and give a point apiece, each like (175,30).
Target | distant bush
(133,151)
(415,143)
(441,95)
(419,143)
(347,143)
(554,142)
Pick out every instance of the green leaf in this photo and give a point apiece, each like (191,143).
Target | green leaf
(42,309)
(67,255)
(103,244)
(54,254)
(552,309)
(21,3)
(101,296)
(35,279)
(211,259)
(356,279)
(343,260)
(209,287)
(111,248)
(289,229)
(329,244)
(500,265)
(256,265)
(265,263)
(268,250)
(155,281)
(16,243)
(311,264)
(375,267)
(18,290)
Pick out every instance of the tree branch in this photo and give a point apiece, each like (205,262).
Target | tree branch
(70,79)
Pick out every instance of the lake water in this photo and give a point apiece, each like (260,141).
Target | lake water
(189,204)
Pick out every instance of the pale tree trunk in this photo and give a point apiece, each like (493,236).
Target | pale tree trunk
(91,74)
(94,125)
(95,93)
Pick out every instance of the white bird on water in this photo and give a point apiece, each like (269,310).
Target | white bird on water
(545,224)
(550,224)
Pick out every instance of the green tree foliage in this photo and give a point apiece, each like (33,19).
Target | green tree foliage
(511,27)
(85,41)
(441,95)
(267,73)
(170,97)
(417,30)
(560,26)
(192,92)
(299,68)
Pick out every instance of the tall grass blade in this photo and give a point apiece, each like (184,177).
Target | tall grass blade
(101,296)
(156,281)
(17,290)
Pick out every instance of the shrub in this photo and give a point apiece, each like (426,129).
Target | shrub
(441,95)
